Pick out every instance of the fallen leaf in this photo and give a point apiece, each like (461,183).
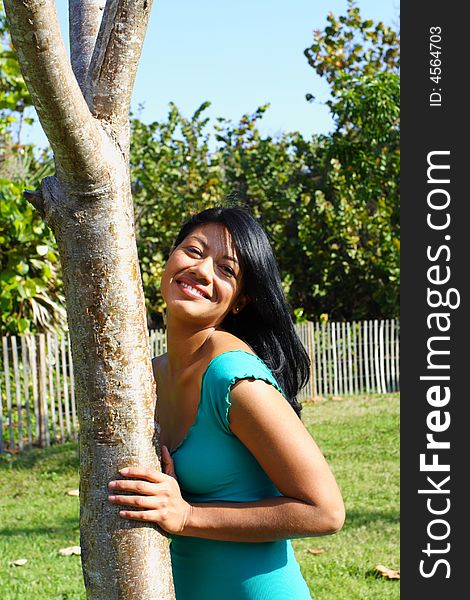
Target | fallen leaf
(337,398)
(19,562)
(387,573)
(70,550)
(72,493)
(316,550)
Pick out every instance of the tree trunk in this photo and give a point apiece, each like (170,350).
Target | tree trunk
(88,205)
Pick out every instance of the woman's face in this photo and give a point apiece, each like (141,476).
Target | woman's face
(202,278)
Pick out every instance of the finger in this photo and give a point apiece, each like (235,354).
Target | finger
(141,515)
(145,502)
(146,473)
(138,487)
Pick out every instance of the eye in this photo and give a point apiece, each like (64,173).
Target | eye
(228,270)
(194,250)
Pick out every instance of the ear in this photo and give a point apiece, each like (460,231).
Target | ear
(240,304)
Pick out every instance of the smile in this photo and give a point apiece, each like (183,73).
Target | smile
(190,290)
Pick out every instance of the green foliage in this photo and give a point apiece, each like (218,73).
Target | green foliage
(264,175)
(330,204)
(358,203)
(172,177)
(351,46)
(31,292)
(355,220)
(14,96)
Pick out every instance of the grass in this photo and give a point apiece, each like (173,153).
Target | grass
(360,438)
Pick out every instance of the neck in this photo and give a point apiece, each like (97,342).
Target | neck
(184,344)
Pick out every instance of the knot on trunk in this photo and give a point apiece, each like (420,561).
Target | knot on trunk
(35,198)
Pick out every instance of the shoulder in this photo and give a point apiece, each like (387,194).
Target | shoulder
(233,361)
(223,341)
(231,358)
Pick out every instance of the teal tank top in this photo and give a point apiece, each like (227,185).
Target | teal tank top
(212,465)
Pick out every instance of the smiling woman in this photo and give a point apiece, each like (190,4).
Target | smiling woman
(204,266)
(241,473)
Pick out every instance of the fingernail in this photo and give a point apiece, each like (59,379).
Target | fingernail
(111,484)
(111,498)
(124,471)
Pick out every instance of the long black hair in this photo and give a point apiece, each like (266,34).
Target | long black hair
(265,322)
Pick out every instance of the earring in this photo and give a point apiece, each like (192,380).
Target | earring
(237,308)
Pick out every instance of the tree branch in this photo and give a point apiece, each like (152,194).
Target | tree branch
(114,63)
(84,23)
(73,134)
(36,199)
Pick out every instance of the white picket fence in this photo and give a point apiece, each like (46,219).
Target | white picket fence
(37,399)
(358,357)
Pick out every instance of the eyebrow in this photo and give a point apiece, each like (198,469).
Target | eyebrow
(205,245)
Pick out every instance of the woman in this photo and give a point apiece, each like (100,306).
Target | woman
(241,473)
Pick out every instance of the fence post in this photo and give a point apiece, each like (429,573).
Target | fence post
(312,355)
(6,367)
(16,372)
(72,389)
(381,357)
(365,339)
(44,438)
(50,362)
(339,351)
(24,357)
(65,386)
(356,358)
(316,340)
(350,370)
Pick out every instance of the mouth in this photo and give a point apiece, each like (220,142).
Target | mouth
(191,290)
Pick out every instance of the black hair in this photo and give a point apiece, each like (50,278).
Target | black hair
(265,323)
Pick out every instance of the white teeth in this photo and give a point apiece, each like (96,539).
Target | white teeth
(190,287)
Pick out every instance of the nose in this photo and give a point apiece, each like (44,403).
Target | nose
(203,269)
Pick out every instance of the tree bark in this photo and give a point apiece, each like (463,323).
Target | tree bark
(88,205)
(84,24)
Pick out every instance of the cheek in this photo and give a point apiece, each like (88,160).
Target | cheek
(229,291)
(165,282)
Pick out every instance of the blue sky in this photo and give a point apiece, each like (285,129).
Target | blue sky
(238,55)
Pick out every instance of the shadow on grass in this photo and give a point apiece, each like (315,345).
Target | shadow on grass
(62,529)
(358,519)
(62,457)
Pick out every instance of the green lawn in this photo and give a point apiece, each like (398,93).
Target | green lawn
(360,438)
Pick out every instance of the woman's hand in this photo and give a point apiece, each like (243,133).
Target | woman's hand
(155,496)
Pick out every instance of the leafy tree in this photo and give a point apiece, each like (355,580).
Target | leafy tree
(351,46)
(265,175)
(356,271)
(31,291)
(171,169)
(14,95)
(329,203)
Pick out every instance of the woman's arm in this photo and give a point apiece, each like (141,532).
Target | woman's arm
(311,504)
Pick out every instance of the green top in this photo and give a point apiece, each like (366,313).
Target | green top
(212,465)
